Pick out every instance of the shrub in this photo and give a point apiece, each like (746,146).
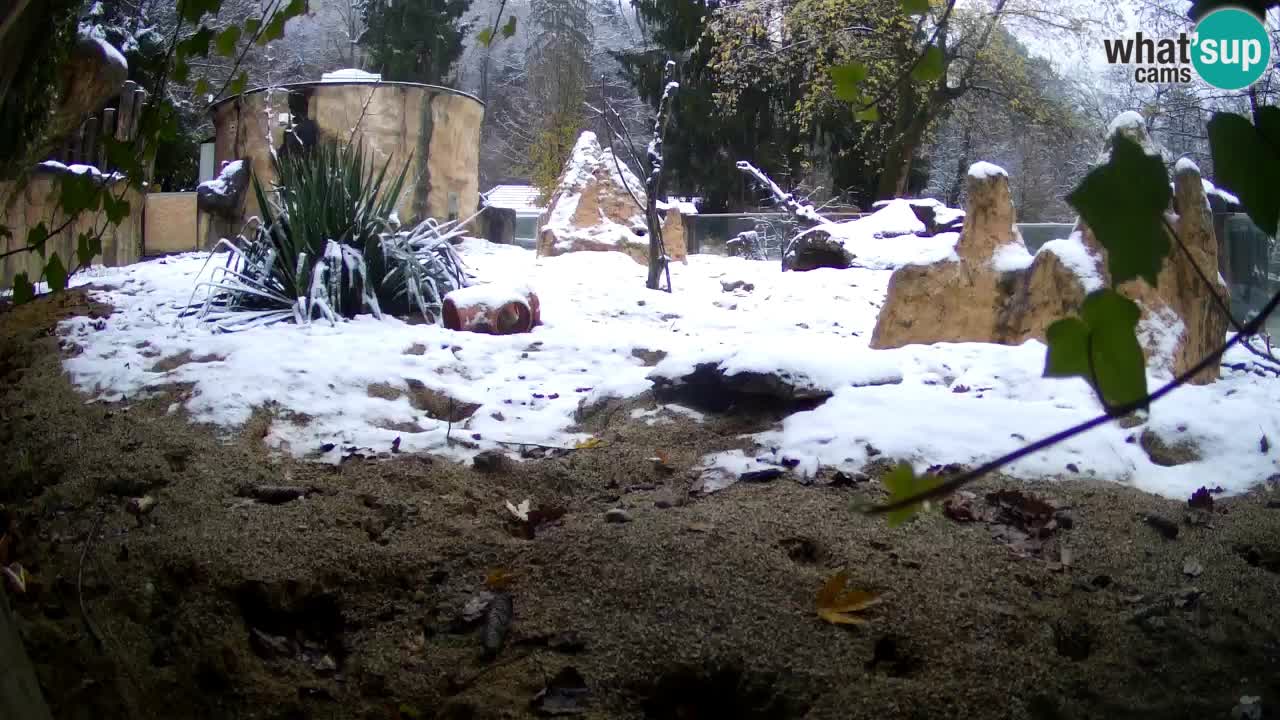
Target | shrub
(331,248)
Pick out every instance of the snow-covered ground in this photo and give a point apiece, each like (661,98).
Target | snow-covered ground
(931,404)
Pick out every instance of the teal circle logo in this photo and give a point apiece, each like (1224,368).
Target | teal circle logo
(1231,49)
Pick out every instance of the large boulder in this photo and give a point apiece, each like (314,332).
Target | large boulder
(994,291)
(837,245)
(93,74)
(965,297)
(598,206)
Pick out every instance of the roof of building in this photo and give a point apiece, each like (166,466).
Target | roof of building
(521,198)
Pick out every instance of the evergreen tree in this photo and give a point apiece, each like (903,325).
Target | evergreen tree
(703,143)
(415,40)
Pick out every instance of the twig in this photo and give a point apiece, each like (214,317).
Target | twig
(657,250)
(84,552)
(363,112)
(950,486)
(804,212)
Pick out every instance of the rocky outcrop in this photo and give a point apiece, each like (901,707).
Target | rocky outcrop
(936,217)
(994,291)
(827,245)
(598,206)
(965,298)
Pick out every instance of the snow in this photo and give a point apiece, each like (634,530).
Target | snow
(983,170)
(586,162)
(1129,120)
(925,404)
(521,198)
(1011,257)
(1077,258)
(890,238)
(1211,189)
(489,295)
(685,207)
(350,75)
(1186,164)
(221,185)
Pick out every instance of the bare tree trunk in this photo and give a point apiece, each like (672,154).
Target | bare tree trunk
(653,186)
(962,168)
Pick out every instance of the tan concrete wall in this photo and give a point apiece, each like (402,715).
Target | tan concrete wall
(170,224)
(24,207)
(435,130)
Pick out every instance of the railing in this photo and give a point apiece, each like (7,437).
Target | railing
(86,146)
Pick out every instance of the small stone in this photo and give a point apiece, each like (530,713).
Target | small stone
(1192,567)
(489,461)
(1072,467)
(1249,708)
(1164,526)
(617,515)
(662,504)
(325,665)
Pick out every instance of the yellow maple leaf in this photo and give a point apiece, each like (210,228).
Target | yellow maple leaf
(497,579)
(836,601)
(589,443)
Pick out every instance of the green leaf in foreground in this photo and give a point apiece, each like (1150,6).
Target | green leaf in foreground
(227,41)
(55,273)
(870,115)
(510,28)
(902,483)
(915,7)
(88,246)
(485,37)
(37,237)
(1246,161)
(1123,202)
(23,290)
(1102,347)
(932,65)
(847,80)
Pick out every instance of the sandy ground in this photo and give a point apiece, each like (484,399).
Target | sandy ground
(352,601)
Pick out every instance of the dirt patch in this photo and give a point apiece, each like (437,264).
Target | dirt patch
(346,600)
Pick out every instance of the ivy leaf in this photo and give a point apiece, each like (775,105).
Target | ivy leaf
(79,193)
(228,40)
(197,45)
(88,246)
(485,37)
(5,232)
(251,26)
(122,156)
(847,80)
(902,483)
(274,29)
(23,291)
(192,10)
(510,28)
(55,273)
(1124,203)
(1102,347)
(932,65)
(869,115)
(117,210)
(915,7)
(1246,161)
(181,71)
(202,87)
(37,237)
(238,85)
(294,9)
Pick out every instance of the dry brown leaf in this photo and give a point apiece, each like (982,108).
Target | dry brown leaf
(836,601)
(497,579)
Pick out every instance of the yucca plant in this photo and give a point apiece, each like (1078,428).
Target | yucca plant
(331,248)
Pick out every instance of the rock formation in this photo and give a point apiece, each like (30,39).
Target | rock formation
(827,245)
(598,206)
(994,291)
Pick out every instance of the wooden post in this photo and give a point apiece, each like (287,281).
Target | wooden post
(124,119)
(19,691)
(73,146)
(139,102)
(108,131)
(90,149)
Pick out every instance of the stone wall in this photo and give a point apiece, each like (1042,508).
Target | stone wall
(170,224)
(435,130)
(22,207)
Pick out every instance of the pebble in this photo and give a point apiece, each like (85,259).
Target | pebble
(662,504)
(1192,567)
(1249,708)
(617,515)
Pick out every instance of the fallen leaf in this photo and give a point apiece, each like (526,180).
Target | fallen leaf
(836,601)
(17,577)
(521,511)
(588,444)
(497,579)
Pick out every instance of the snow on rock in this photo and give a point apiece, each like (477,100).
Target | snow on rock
(1078,258)
(361,384)
(983,170)
(890,237)
(598,205)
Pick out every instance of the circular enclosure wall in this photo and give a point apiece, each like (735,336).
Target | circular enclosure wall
(435,130)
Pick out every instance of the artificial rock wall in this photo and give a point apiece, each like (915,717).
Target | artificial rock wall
(993,290)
